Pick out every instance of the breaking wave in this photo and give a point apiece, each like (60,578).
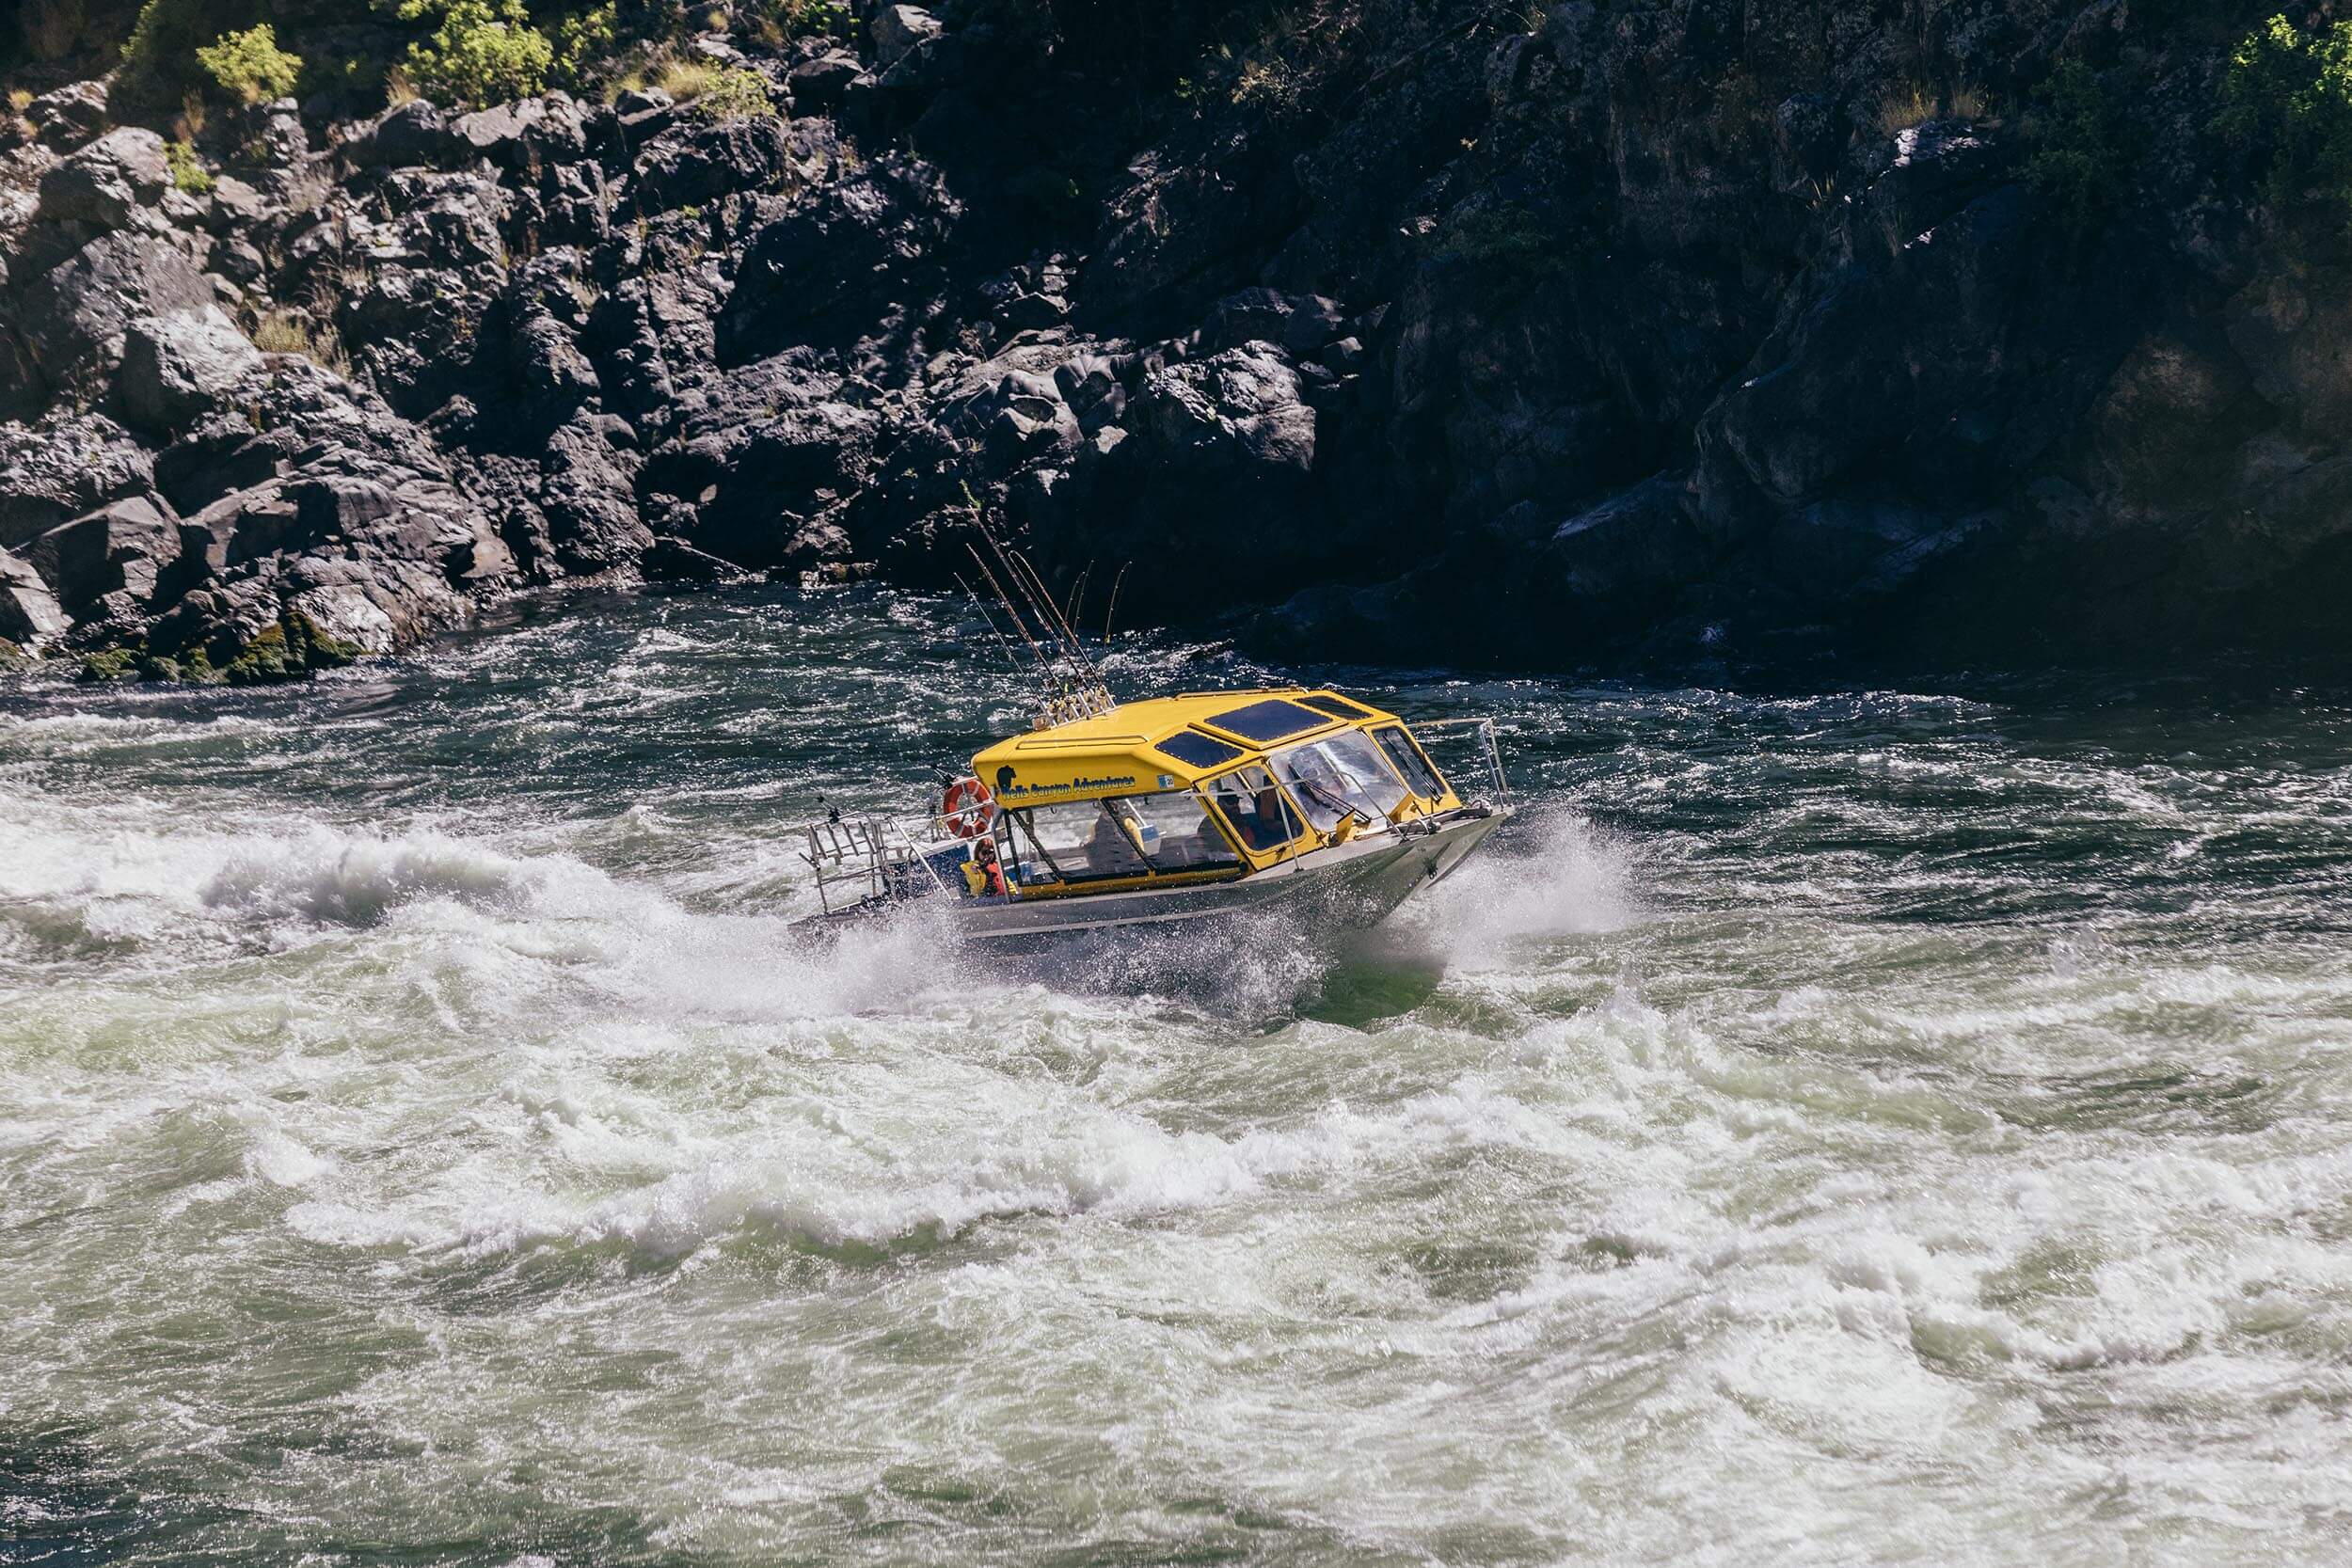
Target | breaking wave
(1840,1126)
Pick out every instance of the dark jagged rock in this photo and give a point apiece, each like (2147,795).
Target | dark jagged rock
(1657,327)
(701,161)
(105,182)
(68,117)
(408,135)
(180,367)
(74,319)
(587,496)
(65,465)
(123,548)
(850,260)
(820,84)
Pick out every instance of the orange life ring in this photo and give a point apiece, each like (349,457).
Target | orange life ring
(967,808)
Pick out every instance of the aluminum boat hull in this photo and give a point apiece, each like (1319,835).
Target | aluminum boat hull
(1341,887)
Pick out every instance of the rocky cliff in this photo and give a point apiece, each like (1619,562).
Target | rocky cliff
(1408,331)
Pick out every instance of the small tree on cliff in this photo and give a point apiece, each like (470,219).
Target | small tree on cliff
(481,52)
(2287,101)
(250,66)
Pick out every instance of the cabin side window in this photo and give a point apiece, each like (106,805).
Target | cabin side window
(1254,808)
(1339,775)
(1134,835)
(1421,775)
(1072,841)
(1176,832)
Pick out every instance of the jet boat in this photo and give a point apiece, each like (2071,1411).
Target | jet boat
(1112,815)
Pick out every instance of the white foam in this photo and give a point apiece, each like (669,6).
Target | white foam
(1554,876)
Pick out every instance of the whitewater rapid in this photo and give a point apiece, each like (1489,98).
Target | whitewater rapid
(1843,1127)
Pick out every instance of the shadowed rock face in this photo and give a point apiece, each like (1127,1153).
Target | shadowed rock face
(1418,333)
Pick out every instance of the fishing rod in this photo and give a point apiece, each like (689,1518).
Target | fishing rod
(980,605)
(1082,683)
(1112,609)
(1044,666)
(1080,689)
(1069,632)
(1040,608)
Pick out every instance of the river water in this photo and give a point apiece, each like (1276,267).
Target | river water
(1849,1126)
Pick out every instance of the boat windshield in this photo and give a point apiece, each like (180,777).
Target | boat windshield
(1255,809)
(1339,775)
(1405,752)
(1135,835)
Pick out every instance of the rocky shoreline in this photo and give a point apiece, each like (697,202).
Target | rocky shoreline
(1414,332)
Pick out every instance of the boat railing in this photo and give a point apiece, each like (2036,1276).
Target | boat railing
(1489,754)
(866,859)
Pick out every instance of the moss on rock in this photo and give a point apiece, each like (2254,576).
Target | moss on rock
(109,664)
(293,649)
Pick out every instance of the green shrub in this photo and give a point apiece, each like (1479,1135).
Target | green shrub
(159,57)
(2081,152)
(480,52)
(2286,99)
(582,40)
(774,23)
(250,66)
(187,173)
(736,92)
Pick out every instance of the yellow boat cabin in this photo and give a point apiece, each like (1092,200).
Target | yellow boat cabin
(1197,787)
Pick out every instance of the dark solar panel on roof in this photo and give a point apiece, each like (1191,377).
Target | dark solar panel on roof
(1196,749)
(1268,721)
(1338,707)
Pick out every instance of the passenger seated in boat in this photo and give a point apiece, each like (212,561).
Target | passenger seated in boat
(984,874)
(1257,819)
(1110,851)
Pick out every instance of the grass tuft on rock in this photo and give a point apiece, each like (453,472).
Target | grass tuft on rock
(188,172)
(735,94)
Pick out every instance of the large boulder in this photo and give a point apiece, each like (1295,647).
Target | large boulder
(62,466)
(69,115)
(179,367)
(29,611)
(105,183)
(123,548)
(2292,328)
(587,497)
(900,29)
(1235,413)
(411,133)
(498,133)
(849,260)
(698,162)
(73,318)
(1215,462)
(819,83)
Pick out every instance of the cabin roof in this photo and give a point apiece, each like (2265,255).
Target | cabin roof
(1163,742)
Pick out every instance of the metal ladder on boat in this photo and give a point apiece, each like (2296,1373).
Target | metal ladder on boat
(862,861)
